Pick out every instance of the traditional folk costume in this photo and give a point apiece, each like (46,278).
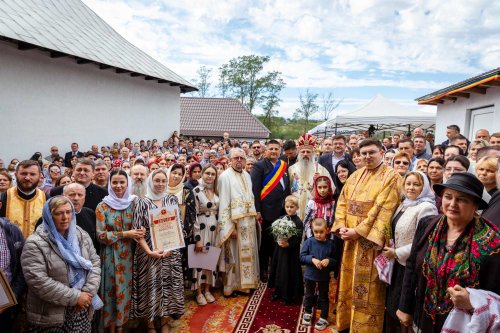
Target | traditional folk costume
(302,184)
(22,209)
(320,207)
(367,203)
(239,257)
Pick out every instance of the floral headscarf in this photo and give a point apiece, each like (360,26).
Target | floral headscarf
(444,268)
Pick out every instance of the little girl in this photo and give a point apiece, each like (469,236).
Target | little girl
(286,271)
(321,206)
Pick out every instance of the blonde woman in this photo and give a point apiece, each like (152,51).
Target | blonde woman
(486,169)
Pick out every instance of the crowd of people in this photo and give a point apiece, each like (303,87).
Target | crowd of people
(405,230)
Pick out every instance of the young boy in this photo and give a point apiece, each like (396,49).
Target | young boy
(317,255)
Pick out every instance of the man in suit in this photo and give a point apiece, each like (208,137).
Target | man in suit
(69,155)
(270,185)
(330,160)
(83,174)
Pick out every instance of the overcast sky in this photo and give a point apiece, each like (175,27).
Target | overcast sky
(402,49)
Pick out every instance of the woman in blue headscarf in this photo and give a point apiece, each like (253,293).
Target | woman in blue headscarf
(62,271)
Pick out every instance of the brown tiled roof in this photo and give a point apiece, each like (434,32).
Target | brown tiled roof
(211,117)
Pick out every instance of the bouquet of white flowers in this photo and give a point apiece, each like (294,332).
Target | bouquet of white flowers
(284,228)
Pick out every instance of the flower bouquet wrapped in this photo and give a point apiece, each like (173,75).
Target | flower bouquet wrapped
(283,229)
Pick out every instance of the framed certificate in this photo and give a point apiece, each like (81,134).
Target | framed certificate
(7,297)
(165,228)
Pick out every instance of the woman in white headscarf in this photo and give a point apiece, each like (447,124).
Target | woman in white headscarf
(157,284)
(114,230)
(419,202)
(176,176)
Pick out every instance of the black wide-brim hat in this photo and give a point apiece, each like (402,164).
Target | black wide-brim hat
(466,183)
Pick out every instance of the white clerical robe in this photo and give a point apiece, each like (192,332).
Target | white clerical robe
(303,189)
(239,257)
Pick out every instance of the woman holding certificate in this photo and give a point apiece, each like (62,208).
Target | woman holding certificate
(185,198)
(114,231)
(205,231)
(158,290)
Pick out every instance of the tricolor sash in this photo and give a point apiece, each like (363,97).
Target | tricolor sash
(272,179)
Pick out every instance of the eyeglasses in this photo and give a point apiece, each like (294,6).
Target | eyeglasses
(401,162)
(238,158)
(256,147)
(369,153)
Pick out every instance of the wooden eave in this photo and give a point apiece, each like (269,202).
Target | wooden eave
(478,87)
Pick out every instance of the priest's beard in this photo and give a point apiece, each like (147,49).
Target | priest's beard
(306,170)
(139,188)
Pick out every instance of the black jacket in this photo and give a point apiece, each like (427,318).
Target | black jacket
(492,213)
(325,161)
(273,204)
(68,156)
(15,243)
(93,195)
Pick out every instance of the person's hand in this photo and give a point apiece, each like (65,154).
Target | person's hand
(348,234)
(460,297)
(158,254)
(404,318)
(259,218)
(234,234)
(84,300)
(135,234)
(199,246)
(325,262)
(283,243)
(317,263)
(389,252)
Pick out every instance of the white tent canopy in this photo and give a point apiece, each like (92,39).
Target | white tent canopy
(381,113)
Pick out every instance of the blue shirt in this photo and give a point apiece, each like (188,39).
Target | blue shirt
(313,248)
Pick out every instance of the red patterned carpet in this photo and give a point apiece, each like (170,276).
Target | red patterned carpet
(218,317)
(243,314)
(265,316)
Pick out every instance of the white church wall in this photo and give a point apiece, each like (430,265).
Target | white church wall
(46,101)
(458,113)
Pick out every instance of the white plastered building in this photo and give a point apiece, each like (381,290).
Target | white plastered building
(66,76)
(472,104)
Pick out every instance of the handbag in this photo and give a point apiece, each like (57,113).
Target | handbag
(385,266)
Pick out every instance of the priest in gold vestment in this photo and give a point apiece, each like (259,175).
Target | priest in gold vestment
(362,219)
(23,204)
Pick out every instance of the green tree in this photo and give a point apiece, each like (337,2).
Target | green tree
(242,78)
(308,107)
(272,101)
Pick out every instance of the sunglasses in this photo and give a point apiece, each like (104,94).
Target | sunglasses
(401,162)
